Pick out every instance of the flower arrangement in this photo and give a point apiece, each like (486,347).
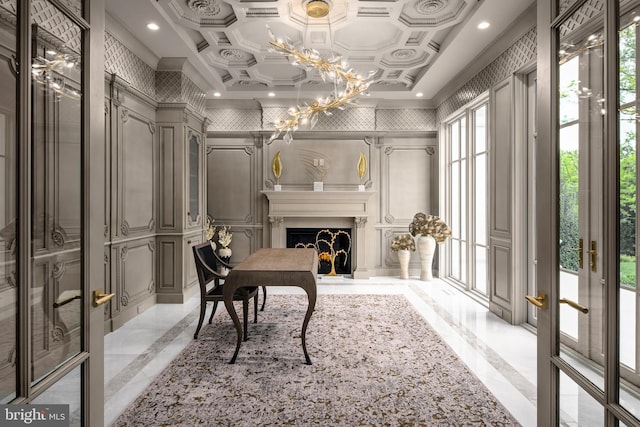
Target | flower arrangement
(429,225)
(225,236)
(211,229)
(403,241)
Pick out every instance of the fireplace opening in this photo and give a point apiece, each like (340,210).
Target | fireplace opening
(329,242)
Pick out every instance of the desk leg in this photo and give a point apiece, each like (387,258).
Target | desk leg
(228,302)
(311,294)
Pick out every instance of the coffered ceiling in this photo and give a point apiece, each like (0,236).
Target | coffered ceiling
(411,45)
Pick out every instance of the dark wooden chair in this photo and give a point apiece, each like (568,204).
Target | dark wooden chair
(207,262)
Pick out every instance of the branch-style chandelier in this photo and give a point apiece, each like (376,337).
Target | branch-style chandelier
(51,72)
(334,69)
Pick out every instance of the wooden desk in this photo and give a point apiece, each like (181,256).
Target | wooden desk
(274,267)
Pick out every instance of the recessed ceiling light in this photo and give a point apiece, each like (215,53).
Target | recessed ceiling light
(419,94)
(271,94)
(483,25)
(153,26)
(216,94)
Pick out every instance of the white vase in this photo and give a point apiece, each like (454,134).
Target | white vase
(426,248)
(404,255)
(225,254)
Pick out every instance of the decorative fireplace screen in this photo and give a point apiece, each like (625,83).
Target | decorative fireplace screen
(333,246)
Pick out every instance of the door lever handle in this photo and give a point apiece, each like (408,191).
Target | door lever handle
(593,262)
(581,308)
(540,301)
(580,250)
(99,297)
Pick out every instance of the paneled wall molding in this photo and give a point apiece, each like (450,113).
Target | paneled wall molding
(186,110)
(119,88)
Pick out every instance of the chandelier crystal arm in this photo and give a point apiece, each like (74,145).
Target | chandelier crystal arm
(333,69)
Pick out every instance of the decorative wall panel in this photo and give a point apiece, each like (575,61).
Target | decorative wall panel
(501,173)
(167,257)
(501,288)
(135,274)
(501,187)
(166,141)
(410,182)
(190,272)
(332,161)
(406,120)
(521,53)
(230,193)
(138,177)
(120,60)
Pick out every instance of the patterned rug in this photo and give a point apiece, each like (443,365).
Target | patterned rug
(376,362)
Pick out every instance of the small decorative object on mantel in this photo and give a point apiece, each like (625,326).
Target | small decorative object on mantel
(320,169)
(432,230)
(276,166)
(362,170)
(210,233)
(403,245)
(224,238)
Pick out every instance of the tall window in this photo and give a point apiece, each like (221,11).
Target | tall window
(467,199)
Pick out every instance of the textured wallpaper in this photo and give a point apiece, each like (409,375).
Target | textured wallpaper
(120,60)
(516,56)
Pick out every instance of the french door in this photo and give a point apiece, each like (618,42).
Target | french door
(586,210)
(51,119)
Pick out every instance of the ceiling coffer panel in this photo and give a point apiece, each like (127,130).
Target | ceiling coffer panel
(388,36)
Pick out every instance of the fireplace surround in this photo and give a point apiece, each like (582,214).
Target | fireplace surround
(324,209)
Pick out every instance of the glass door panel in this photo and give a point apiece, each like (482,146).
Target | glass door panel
(480,159)
(8,210)
(577,407)
(56,288)
(628,316)
(580,314)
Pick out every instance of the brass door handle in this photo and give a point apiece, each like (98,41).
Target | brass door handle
(540,301)
(59,304)
(580,250)
(581,308)
(593,262)
(100,298)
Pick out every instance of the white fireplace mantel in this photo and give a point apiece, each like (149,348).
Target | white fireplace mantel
(285,206)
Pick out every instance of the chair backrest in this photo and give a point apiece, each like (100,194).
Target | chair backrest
(206,263)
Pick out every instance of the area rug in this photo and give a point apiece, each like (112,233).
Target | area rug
(376,362)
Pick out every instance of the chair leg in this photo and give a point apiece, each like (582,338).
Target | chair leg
(215,306)
(245,314)
(255,308)
(264,297)
(203,308)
